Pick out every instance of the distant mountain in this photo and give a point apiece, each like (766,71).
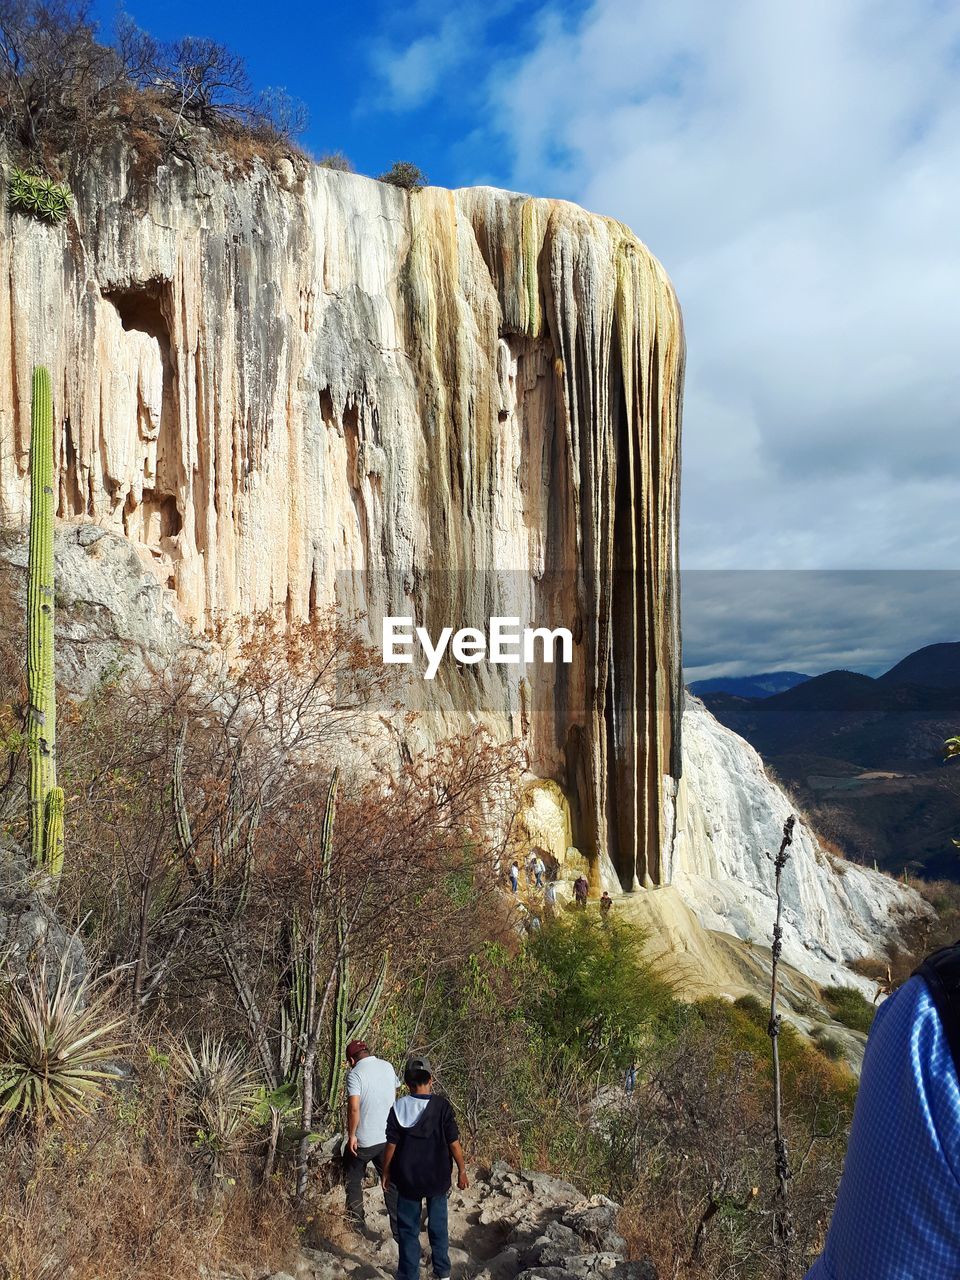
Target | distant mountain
(761,686)
(864,757)
(936,665)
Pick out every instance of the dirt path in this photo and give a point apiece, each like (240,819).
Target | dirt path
(508,1225)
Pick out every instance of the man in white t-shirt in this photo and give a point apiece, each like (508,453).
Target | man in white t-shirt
(371,1091)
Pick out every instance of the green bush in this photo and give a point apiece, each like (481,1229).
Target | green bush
(39,196)
(805,1073)
(849,1006)
(828,1044)
(592,992)
(404,174)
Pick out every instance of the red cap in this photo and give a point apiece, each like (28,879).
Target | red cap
(356,1047)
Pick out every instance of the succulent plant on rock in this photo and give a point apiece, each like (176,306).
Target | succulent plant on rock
(38,196)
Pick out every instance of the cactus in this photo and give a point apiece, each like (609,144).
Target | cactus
(53,831)
(209,882)
(301,943)
(45,797)
(349,1024)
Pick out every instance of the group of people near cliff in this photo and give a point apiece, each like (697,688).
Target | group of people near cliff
(413,1143)
(536,870)
(581,887)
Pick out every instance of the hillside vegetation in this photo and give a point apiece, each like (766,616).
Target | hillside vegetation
(200,879)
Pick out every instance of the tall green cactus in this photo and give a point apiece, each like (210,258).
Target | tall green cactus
(349,1024)
(45,797)
(302,942)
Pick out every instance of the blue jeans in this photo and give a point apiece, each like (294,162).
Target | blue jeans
(408,1236)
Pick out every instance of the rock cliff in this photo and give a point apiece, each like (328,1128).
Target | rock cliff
(297,388)
(292,389)
(729,815)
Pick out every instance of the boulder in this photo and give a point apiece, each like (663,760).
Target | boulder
(595,1221)
(30,934)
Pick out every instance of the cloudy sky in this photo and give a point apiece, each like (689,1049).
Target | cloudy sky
(796,167)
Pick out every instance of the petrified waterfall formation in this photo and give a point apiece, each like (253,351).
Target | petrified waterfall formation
(299,387)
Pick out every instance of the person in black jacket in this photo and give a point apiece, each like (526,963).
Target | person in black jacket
(423,1142)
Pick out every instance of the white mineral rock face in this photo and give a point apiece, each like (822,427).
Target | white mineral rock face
(729,815)
(298,389)
(301,389)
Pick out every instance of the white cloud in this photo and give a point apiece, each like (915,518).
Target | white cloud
(797,170)
(736,622)
(448,58)
(413,72)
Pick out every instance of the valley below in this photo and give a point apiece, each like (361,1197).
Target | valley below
(864,758)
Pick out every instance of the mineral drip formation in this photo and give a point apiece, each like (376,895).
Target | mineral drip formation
(294,388)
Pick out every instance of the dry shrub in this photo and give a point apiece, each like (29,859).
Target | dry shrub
(691,1152)
(921,935)
(116,1196)
(336,161)
(65,92)
(241,149)
(198,799)
(13,697)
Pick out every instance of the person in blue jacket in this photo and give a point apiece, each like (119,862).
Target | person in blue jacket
(897,1215)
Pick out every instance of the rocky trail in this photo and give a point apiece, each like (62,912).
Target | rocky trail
(508,1225)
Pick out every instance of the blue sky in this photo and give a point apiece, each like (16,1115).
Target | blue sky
(372,74)
(795,167)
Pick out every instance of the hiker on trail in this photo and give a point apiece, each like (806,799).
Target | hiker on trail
(550,898)
(371,1089)
(515,875)
(539,867)
(423,1142)
(630,1078)
(580,890)
(606,902)
(531,868)
(898,1206)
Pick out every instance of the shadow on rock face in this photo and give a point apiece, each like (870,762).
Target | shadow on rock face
(30,934)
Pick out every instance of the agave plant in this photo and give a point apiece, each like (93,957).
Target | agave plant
(221,1097)
(37,195)
(57,1037)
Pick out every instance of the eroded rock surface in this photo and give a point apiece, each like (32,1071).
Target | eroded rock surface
(291,390)
(112,614)
(729,816)
(32,940)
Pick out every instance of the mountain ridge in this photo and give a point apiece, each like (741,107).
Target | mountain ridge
(761,685)
(863,755)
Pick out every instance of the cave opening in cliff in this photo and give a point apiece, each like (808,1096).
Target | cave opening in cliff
(152,514)
(139,307)
(159,516)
